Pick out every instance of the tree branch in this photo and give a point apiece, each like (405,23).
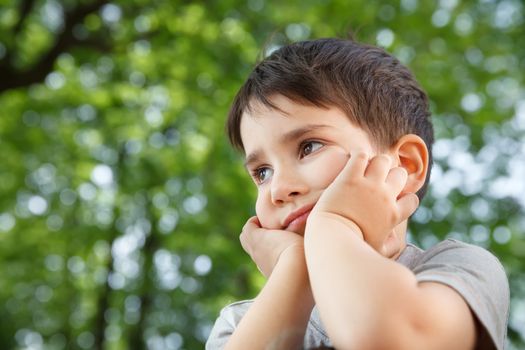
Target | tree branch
(13,78)
(26,7)
(23,12)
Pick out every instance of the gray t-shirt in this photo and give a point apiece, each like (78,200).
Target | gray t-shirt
(473,272)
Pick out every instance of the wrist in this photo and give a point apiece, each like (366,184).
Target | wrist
(294,252)
(291,254)
(322,219)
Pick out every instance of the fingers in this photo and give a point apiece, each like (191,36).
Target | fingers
(251,224)
(407,205)
(265,246)
(378,168)
(397,178)
(356,165)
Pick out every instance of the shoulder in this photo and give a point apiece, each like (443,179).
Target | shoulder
(236,310)
(477,275)
(225,325)
(455,256)
(472,270)
(232,314)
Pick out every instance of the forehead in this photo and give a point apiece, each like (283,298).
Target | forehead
(288,112)
(263,127)
(264,121)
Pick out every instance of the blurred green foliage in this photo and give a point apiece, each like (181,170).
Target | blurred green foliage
(120,199)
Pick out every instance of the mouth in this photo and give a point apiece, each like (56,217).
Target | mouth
(296,220)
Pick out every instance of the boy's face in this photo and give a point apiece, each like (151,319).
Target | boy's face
(293,157)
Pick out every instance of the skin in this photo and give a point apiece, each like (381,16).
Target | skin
(355,200)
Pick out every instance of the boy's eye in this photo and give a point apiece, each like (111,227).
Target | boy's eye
(262,174)
(310,147)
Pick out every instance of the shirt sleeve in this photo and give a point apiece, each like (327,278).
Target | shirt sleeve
(479,278)
(225,325)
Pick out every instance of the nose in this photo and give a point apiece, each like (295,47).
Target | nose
(286,186)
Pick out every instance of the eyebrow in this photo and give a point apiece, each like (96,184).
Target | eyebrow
(291,135)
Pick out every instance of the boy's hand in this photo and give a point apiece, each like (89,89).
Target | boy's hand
(366,196)
(266,246)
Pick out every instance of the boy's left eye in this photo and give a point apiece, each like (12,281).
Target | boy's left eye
(309,147)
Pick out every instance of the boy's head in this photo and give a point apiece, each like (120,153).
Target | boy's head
(367,85)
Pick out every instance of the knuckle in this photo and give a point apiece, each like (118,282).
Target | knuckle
(243,236)
(361,155)
(352,181)
(379,159)
(383,158)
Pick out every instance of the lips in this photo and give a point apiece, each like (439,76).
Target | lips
(297,217)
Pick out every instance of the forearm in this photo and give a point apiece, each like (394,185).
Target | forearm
(358,292)
(280,313)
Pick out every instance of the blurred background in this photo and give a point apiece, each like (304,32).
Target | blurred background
(121,201)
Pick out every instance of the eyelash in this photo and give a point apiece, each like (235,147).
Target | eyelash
(306,143)
(256,173)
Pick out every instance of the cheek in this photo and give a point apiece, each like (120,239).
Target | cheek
(331,166)
(263,211)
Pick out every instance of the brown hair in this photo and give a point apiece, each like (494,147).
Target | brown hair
(370,86)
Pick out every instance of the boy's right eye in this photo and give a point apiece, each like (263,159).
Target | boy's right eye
(262,174)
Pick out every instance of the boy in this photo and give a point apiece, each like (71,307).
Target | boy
(337,138)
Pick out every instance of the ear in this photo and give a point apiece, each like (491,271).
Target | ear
(411,153)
